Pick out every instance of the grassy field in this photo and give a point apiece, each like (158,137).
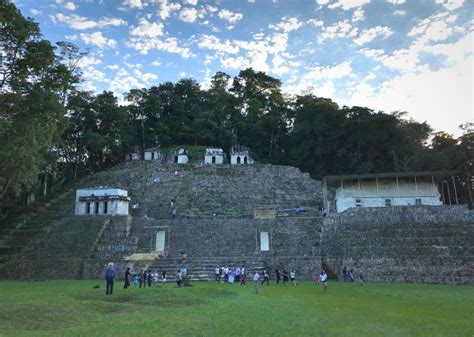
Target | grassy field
(74,308)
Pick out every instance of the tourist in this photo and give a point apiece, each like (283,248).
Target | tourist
(221,274)
(217,273)
(140,279)
(226,274)
(109,278)
(126,279)
(344,273)
(237,274)
(361,279)
(145,278)
(243,276)
(293,278)
(135,279)
(149,278)
(285,277)
(351,275)
(242,271)
(179,279)
(184,271)
(255,281)
(323,280)
(278,275)
(156,278)
(265,277)
(157,181)
(172,203)
(297,210)
(163,278)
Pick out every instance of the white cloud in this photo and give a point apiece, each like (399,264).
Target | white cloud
(213,43)
(66,5)
(229,16)
(315,22)
(433,28)
(35,11)
(348,4)
(169,44)
(188,15)
(192,2)
(358,15)
(156,63)
(88,60)
(368,35)
(234,62)
(113,66)
(338,71)
(91,73)
(341,29)
(148,29)
(279,66)
(98,39)
(287,24)
(451,4)
(322,2)
(397,2)
(135,4)
(166,8)
(75,21)
(399,12)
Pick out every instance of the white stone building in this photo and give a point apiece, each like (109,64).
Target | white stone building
(240,155)
(153,153)
(214,156)
(180,156)
(101,201)
(135,155)
(387,189)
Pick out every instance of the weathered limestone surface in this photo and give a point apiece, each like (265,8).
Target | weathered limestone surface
(425,244)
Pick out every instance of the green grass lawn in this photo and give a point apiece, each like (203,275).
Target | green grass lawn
(74,308)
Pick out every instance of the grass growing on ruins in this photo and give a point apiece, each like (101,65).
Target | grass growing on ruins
(74,308)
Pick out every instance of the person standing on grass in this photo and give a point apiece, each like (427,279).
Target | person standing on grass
(323,280)
(255,281)
(163,278)
(278,276)
(179,278)
(149,278)
(243,276)
(285,277)
(109,278)
(361,279)
(127,279)
(145,278)
(217,273)
(135,280)
(265,277)
(293,278)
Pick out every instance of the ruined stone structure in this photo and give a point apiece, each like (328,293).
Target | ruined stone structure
(153,153)
(179,156)
(385,189)
(240,155)
(214,156)
(239,215)
(424,244)
(101,201)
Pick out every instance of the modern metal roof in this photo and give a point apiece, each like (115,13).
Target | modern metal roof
(389,175)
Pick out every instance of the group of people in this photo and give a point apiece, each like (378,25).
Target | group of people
(348,276)
(228,275)
(144,278)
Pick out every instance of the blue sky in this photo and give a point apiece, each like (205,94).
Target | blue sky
(414,56)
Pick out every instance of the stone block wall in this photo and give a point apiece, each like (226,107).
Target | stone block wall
(423,244)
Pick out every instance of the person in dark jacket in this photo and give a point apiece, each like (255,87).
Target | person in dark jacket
(109,278)
(127,279)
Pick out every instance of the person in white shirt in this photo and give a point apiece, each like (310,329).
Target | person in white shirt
(217,274)
(293,278)
(255,281)
(323,280)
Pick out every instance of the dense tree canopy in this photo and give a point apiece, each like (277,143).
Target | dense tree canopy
(48,129)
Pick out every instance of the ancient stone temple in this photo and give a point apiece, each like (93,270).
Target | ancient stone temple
(240,155)
(214,156)
(101,201)
(179,156)
(153,153)
(134,155)
(388,189)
